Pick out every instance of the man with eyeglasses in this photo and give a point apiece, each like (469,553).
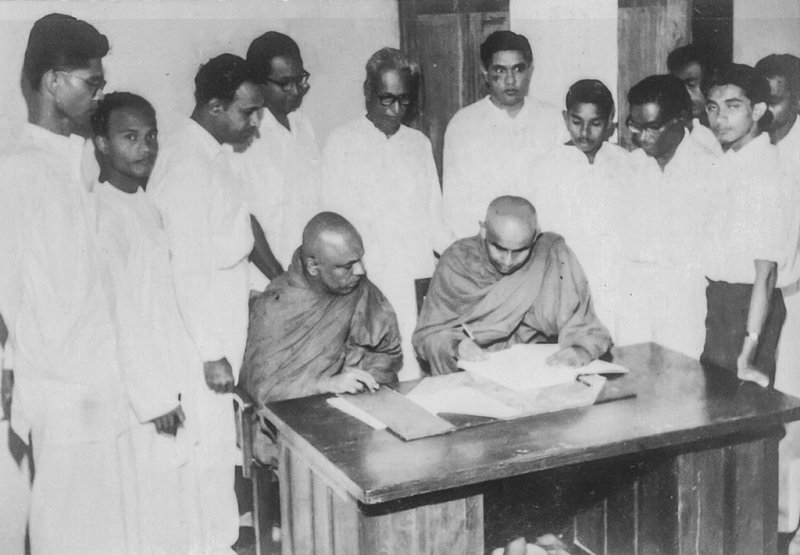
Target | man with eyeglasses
(675,185)
(489,145)
(380,175)
(282,168)
(69,397)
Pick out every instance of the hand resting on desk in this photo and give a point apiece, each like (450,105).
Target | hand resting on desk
(350,380)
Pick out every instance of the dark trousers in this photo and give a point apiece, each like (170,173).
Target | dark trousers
(726,327)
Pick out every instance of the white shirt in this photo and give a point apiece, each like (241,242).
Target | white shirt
(487,154)
(68,386)
(282,174)
(756,217)
(389,190)
(207,220)
(789,151)
(664,279)
(583,202)
(157,356)
(706,137)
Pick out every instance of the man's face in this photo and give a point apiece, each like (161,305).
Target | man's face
(651,132)
(339,266)
(732,117)
(509,243)
(587,127)
(286,85)
(508,78)
(78,92)
(131,144)
(240,119)
(783,107)
(388,103)
(692,76)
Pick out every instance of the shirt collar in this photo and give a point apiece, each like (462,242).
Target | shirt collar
(205,140)
(370,128)
(753,153)
(53,141)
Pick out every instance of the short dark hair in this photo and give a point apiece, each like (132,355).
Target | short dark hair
(220,78)
(591,91)
(59,41)
(505,40)
(754,85)
(265,48)
(666,91)
(117,101)
(782,65)
(685,55)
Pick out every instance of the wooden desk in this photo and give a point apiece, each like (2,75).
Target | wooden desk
(687,466)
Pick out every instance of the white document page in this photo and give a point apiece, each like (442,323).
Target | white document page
(523,367)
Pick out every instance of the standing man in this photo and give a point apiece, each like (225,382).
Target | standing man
(489,144)
(381,176)
(688,63)
(282,168)
(580,188)
(69,397)
(159,362)
(677,181)
(754,232)
(202,204)
(782,72)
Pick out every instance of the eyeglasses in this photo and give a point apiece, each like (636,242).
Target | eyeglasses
(387,99)
(94,84)
(299,82)
(653,128)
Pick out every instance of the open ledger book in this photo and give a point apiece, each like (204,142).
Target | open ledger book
(510,384)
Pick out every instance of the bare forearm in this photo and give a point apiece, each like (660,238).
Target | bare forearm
(763,287)
(262,255)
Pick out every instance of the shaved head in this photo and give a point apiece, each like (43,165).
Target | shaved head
(509,233)
(331,253)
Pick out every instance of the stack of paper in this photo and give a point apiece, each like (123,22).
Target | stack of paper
(523,368)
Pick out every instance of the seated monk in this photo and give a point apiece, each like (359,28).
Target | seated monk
(322,326)
(510,284)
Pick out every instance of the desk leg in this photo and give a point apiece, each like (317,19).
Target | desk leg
(728,499)
(718,501)
(315,519)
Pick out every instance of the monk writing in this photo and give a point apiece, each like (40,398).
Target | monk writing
(509,284)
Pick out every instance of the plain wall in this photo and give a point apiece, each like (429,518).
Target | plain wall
(157,47)
(571,40)
(762,27)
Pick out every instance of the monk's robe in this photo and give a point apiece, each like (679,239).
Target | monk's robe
(299,336)
(544,301)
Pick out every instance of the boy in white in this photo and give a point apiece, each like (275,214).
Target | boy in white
(202,203)
(381,176)
(160,365)
(754,233)
(580,189)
